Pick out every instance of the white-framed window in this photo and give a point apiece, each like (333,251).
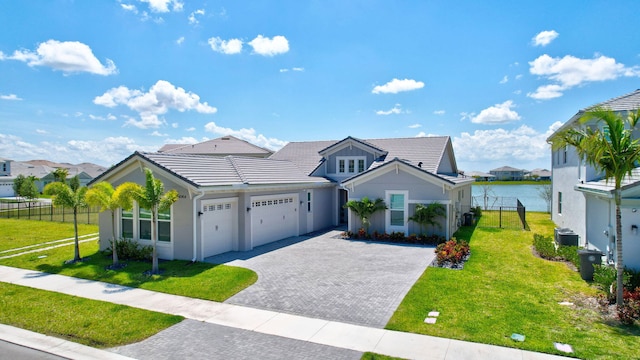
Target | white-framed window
(351,164)
(559,202)
(309,201)
(142,218)
(396,217)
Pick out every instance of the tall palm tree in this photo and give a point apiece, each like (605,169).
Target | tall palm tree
(611,149)
(69,195)
(365,208)
(104,195)
(427,215)
(153,198)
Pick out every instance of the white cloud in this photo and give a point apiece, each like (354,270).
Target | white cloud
(180,40)
(129,7)
(108,151)
(246,134)
(395,86)
(157,133)
(102,118)
(40,131)
(570,71)
(229,47)
(439,112)
(523,144)
(284,70)
(162,6)
(162,97)
(175,125)
(66,56)
(504,80)
(415,126)
(12,97)
(182,140)
(269,47)
(544,38)
(397,109)
(191,129)
(192,17)
(298,69)
(497,114)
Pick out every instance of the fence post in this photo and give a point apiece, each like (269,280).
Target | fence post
(51,211)
(500,218)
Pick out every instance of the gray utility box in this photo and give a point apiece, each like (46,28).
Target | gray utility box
(566,237)
(587,259)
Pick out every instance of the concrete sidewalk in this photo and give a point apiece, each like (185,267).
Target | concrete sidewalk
(332,333)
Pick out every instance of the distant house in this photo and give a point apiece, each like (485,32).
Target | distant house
(43,171)
(222,146)
(539,174)
(480,176)
(239,202)
(583,198)
(507,173)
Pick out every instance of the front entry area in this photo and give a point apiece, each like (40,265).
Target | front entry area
(273,217)
(219,226)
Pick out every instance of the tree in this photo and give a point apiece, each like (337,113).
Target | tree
(60,175)
(610,149)
(104,195)
(545,192)
(17,184)
(427,215)
(487,192)
(153,198)
(365,208)
(69,195)
(29,189)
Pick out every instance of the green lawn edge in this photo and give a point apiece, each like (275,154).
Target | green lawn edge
(504,289)
(90,322)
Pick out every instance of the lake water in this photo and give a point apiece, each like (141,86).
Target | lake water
(529,195)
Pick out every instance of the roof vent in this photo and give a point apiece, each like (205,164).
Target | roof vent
(225,138)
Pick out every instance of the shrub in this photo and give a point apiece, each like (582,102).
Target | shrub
(629,312)
(604,276)
(128,249)
(544,246)
(569,253)
(362,234)
(452,251)
(476,211)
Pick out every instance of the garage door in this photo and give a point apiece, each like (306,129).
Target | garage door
(273,218)
(219,226)
(6,189)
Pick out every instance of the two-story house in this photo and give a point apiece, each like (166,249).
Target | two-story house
(507,173)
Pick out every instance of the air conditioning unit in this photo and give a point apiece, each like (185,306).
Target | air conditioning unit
(566,237)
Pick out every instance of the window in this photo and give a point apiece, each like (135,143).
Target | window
(559,202)
(564,155)
(309,201)
(396,210)
(351,164)
(127,224)
(164,224)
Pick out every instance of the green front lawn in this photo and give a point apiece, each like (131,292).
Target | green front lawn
(17,233)
(505,289)
(197,280)
(90,322)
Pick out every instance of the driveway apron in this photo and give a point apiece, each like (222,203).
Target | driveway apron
(327,277)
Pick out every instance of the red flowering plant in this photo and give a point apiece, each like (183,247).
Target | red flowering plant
(452,252)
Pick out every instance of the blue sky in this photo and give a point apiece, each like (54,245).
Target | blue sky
(95,81)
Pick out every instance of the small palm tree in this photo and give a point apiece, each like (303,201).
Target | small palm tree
(69,195)
(104,195)
(613,150)
(151,197)
(365,208)
(427,215)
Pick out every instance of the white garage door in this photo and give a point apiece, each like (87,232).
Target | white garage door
(6,189)
(219,226)
(273,218)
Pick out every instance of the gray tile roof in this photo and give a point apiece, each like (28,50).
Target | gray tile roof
(609,186)
(505,168)
(222,146)
(203,170)
(428,150)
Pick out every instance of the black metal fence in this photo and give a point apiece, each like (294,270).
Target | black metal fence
(36,210)
(499,212)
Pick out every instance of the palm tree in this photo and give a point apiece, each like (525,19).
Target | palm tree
(104,195)
(613,150)
(151,197)
(365,208)
(427,215)
(69,195)
(60,175)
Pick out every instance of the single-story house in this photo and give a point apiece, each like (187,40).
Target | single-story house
(539,174)
(583,199)
(507,173)
(481,176)
(237,203)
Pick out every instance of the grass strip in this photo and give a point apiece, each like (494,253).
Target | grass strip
(89,322)
(505,289)
(17,233)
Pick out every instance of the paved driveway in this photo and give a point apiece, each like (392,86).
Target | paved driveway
(326,277)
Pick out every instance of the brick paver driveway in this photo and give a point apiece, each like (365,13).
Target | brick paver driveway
(326,277)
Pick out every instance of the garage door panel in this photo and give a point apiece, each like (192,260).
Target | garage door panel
(273,219)
(218,227)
